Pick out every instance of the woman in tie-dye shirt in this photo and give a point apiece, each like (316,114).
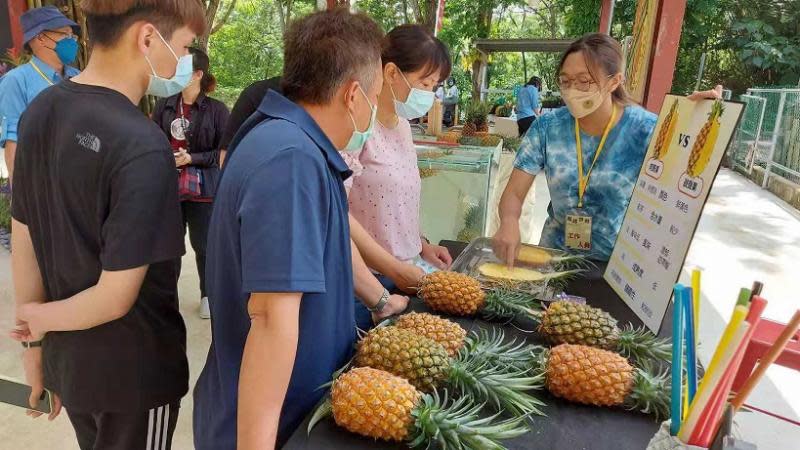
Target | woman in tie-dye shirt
(590,78)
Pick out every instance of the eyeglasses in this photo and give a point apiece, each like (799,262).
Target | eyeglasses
(581,84)
(68,34)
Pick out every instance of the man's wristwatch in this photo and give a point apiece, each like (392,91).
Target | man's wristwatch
(384,300)
(31,344)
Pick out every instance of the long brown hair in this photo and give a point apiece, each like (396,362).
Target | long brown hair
(601,52)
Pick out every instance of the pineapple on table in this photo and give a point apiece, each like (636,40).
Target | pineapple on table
(452,293)
(593,376)
(565,322)
(426,365)
(490,346)
(448,334)
(377,404)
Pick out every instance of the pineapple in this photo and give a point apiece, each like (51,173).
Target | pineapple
(451,137)
(593,376)
(539,257)
(377,404)
(448,334)
(452,293)
(425,364)
(492,347)
(666,132)
(491,140)
(502,272)
(706,141)
(477,119)
(573,323)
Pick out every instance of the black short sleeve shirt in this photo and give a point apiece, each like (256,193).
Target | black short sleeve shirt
(95,182)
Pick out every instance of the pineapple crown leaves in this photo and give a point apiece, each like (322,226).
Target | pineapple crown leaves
(650,393)
(504,389)
(455,424)
(493,348)
(716,110)
(324,410)
(506,303)
(640,345)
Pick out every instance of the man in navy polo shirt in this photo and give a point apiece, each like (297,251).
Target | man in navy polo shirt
(279,267)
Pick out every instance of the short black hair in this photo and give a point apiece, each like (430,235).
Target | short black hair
(326,49)
(535,81)
(200,62)
(413,48)
(107,20)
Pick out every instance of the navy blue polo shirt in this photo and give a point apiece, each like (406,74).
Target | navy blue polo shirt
(279,225)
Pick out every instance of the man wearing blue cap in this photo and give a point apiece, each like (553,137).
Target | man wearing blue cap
(50,36)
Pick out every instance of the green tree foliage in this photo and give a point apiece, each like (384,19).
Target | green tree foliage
(250,46)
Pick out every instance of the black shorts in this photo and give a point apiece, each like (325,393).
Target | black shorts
(524,124)
(147,430)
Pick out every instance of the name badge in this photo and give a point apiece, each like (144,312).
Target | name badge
(578,232)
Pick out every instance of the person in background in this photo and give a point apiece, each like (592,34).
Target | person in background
(528,106)
(96,230)
(245,106)
(194,124)
(603,128)
(280,258)
(51,39)
(450,101)
(385,198)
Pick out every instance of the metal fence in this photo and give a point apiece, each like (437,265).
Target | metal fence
(776,147)
(747,146)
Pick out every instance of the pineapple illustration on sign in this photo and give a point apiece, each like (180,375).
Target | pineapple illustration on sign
(691,183)
(655,165)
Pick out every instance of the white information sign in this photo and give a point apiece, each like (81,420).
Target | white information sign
(681,163)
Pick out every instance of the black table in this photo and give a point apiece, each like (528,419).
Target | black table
(567,426)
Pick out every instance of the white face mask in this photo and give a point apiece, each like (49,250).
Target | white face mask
(417,104)
(163,87)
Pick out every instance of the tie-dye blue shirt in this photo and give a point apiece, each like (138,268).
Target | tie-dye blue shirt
(549,145)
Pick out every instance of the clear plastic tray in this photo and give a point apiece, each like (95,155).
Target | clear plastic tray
(479,252)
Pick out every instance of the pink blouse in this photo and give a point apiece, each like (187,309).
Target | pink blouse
(385,198)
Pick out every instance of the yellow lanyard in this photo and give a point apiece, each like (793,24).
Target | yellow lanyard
(583,181)
(41,73)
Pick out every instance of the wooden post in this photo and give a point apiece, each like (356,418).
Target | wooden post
(15,9)
(665,52)
(606,16)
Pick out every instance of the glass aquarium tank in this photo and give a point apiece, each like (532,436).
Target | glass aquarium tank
(456,183)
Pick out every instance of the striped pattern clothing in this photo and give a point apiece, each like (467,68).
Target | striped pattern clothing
(152,429)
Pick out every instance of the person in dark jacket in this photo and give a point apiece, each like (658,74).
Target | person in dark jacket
(194,124)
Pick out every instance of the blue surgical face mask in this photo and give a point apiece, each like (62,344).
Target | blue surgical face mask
(359,138)
(163,87)
(67,50)
(417,104)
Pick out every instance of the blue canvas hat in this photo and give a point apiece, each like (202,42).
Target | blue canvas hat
(36,20)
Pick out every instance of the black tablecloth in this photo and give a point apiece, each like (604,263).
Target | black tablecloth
(567,426)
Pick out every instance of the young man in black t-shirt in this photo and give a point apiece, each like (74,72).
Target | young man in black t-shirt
(97,230)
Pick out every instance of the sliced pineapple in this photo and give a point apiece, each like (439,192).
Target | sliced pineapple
(534,256)
(502,272)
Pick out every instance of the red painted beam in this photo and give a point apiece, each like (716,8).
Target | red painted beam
(665,52)
(15,9)
(336,3)
(606,15)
